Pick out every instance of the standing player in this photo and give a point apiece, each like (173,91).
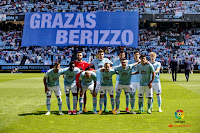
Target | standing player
(51,83)
(98,64)
(118,63)
(70,84)
(87,81)
(124,71)
(82,65)
(156,86)
(106,84)
(145,70)
(135,81)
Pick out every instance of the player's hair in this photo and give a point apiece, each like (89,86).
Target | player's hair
(153,54)
(79,52)
(106,64)
(71,62)
(186,58)
(142,55)
(174,57)
(121,52)
(100,51)
(57,63)
(136,52)
(123,59)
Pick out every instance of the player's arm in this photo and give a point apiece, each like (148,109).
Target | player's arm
(152,78)
(136,72)
(45,84)
(157,70)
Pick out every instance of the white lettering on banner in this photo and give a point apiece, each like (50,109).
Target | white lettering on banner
(61,37)
(86,35)
(89,37)
(104,37)
(115,37)
(73,36)
(79,21)
(35,23)
(46,20)
(124,39)
(58,21)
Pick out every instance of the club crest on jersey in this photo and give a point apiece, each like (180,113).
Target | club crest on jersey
(106,78)
(54,79)
(124,74)
(70,77)
(143,72)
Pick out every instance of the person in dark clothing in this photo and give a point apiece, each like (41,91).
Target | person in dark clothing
(174,66)
(187,65)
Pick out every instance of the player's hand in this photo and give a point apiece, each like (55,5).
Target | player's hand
(46,89)
(150,85)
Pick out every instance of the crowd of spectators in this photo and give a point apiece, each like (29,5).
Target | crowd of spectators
(143,6)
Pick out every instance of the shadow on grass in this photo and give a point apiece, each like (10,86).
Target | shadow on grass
(66,113)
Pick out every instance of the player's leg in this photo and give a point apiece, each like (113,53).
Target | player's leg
(140,98)
(116,87)
(74,93)
(127,89)
(94,102)
(149,95)
(101,101)
(82,91)
(85,100)
(117,99)
(158,90)
(58,95)
(110,90)
(48,102)
(132,97)
(173,75)
(67,92)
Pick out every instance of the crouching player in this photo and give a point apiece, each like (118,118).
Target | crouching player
(51,82)
(106,84)
(156,82)
(145,70)
(87,81)
(70,84)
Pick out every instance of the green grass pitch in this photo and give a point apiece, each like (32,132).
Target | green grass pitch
(22,108)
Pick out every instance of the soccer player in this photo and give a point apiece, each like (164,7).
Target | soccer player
(135,81)
(124,71)
(118,63)
(87,81)
(145,70)
(51,83)
(156,86)
(82,65)
(106,84)
(70,84)
(98,64)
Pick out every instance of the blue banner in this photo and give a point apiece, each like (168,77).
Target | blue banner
(83,29)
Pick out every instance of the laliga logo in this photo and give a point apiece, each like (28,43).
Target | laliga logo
(179,114)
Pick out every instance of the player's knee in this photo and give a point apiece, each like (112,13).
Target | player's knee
(59,99)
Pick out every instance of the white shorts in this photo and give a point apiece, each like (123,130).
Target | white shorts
(147,90)
(110,90)
(135,86)
(73,89)
(56,90)
(126,88)
(88,87)
(157,88)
